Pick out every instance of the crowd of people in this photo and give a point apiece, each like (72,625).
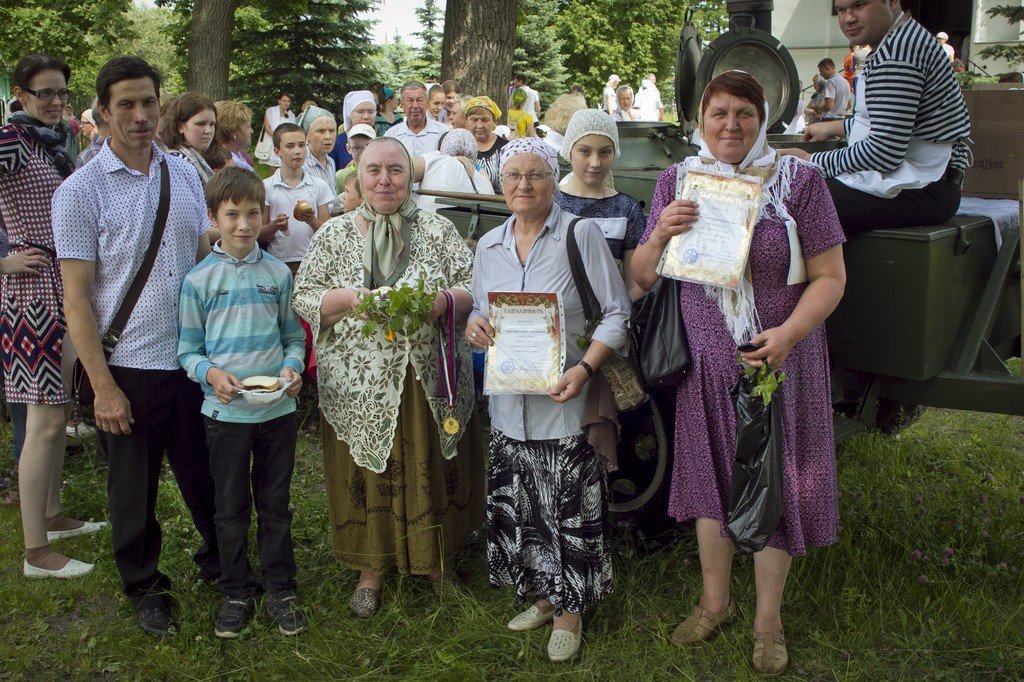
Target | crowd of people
(180,282)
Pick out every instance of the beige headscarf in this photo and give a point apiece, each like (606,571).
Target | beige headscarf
(388,234)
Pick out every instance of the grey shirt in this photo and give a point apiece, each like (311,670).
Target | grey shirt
(497,268)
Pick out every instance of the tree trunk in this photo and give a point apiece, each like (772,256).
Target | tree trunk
(479,45)
(209,47)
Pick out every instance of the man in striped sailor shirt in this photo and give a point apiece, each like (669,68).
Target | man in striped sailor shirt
(906,154)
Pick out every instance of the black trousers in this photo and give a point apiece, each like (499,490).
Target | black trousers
(272,445)
(860,212)
(165,405)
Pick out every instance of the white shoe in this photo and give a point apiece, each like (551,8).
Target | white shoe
(79,430)
(72,569)
(563,644)
(87,528)
(530,619)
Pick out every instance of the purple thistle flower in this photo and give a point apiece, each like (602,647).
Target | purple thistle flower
(922,579)
(948,552)
(988,476)
(916,554)
(1002,565)
(919,500)
(983,499)
(926,558)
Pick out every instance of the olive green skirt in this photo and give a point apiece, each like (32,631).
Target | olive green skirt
(417,514)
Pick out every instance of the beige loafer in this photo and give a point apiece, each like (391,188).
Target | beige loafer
(563,644)
(87,528)
(530,619)
(770,655)
(701,624)
(72,569)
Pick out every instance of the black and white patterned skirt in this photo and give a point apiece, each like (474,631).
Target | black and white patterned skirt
(547,521)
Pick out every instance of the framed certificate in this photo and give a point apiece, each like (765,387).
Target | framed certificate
(715,251)
(529,343)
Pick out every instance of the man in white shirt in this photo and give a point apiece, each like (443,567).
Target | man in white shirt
(943,39)
(835,93)
(609,102)
(417,133)
(532,105)
(648,100)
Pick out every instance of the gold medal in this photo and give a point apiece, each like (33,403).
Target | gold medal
(451,426)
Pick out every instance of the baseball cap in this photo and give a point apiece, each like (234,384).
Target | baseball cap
(942,35)
(362,129)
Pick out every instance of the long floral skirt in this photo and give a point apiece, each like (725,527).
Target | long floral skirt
(547,519)
(416,515)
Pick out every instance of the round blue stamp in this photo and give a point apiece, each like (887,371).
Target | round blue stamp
(690,256)
(508,367)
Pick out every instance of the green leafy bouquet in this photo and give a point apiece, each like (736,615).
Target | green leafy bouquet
(766,380)
(400,311)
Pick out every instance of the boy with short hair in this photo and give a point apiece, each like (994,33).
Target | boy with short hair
(297,204)
(236,322)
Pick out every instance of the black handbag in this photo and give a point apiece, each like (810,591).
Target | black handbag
(82,392)
(658,336)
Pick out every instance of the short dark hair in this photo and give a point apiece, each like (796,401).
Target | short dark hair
(216,156)
(827,62)
(450,86)
(287,127)
(521,77)
(122,69)
(31,64)
(738,84)
(433,89)
(235,185)
(412,85)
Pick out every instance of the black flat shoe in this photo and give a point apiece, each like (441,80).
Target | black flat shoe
(154,620)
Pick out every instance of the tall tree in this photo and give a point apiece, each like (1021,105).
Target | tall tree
(630,38)
(394,63)
(539,48)
(479,45)
(72,31)
(209,47)
(429,55)
(310,49)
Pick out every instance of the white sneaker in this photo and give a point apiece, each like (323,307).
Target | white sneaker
(72,569)
(79,430)
(87,528)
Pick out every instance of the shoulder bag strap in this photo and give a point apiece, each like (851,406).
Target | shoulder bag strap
(113,334)
(591,306)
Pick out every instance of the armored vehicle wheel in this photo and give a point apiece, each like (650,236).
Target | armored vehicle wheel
(638,487)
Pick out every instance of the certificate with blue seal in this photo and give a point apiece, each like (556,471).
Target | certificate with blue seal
(529,344)
(716,249)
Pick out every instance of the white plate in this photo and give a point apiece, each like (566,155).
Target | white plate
(262,397)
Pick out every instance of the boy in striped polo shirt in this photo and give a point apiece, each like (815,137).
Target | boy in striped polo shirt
(236,322)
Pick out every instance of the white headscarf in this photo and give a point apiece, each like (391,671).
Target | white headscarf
(352,100)
(776,174)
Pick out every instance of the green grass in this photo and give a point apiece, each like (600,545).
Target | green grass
(855,610)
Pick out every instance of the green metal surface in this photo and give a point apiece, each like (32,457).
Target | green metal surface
(909,297)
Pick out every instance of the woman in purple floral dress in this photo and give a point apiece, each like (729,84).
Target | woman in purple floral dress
(796,211)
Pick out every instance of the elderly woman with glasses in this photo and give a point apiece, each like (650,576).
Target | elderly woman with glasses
(402,456)
(548,531)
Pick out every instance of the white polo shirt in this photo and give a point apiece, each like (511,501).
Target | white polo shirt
(418,144)
(291,246)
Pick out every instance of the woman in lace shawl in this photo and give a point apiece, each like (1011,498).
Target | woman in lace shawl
(404,469)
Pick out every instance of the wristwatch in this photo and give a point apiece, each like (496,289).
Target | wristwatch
(586,365)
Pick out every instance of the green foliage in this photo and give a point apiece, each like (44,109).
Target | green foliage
(394,63)
(630,38)
(428,58)
(72,30)
(539,49)
(310,49)
(766,381)
(397,311)
(1012,53)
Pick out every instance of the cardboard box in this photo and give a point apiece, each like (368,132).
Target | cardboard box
(997,128)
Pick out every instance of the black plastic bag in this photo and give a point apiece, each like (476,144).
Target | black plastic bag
(755,500)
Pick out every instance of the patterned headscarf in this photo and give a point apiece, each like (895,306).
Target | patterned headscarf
(485,102)
(353,100)
(386,231)
(311,114)
(458,142)
(529,145)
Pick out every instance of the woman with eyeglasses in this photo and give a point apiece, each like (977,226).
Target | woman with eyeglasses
(33,162)
(547,513)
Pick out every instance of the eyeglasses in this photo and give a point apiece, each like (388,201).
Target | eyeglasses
(47,94)
(533,177)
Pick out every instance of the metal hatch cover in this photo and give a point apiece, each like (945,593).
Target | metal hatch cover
(687,60)
(762,56)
